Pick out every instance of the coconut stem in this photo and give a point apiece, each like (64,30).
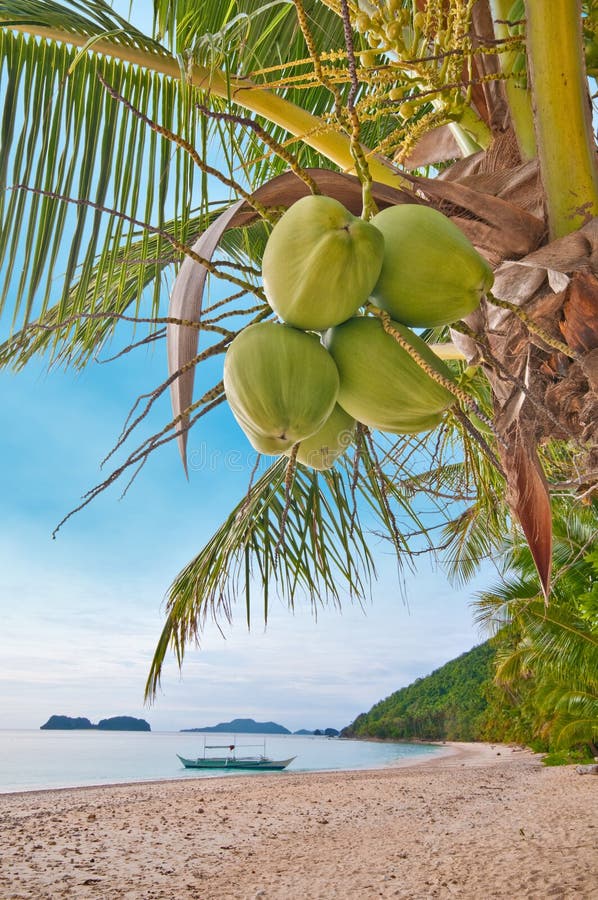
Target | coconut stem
(518,97)
(430,371)
(270,142)
(361,164)
(473,431)
(359,437)
(532,326)
(288,488)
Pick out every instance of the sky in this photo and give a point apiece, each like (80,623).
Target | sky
(80,615)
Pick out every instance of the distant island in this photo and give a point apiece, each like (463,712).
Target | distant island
(250,726)
(116,723)
(243,726)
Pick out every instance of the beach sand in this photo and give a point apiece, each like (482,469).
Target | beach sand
(480,822)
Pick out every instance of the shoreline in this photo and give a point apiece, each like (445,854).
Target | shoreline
(237,774)
(477,753)
(480,820)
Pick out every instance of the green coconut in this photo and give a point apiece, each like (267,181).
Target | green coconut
(380,384)
(320,263)
(280,383)
(322,449)
(431,273)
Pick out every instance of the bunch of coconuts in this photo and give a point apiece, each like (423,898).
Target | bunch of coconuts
(310,380)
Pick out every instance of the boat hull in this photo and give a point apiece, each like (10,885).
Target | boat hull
(217,762)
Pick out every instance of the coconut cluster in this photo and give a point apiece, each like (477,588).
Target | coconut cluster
(310,378)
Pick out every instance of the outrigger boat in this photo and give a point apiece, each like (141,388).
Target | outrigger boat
(232,761)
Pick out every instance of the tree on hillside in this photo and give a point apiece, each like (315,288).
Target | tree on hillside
(114,145)
(449,704)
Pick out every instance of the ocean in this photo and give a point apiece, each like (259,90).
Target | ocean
(39,760)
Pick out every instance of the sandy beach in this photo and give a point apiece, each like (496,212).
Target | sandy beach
(481,821)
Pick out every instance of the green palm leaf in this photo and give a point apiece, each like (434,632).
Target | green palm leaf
(573,708)
(70,333)
(74,141)
(89,20)
(304,543)
(321,552)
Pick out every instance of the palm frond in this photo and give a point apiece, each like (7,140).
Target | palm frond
(69,333)
(457,471)
(310,542)
(264,42)
(560,641)
(74,141)
(512,666)
(553,648)
(475,533)
(90,20)
(306,543)
(573,708)
(575,730)
(496,607)
(250,34)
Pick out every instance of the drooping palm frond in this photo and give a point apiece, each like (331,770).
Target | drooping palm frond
(474,535)
(571,707)
(468,476)
(494,607)
(576,728)
(559,641)
(322,551)
(64,138)
(301,540)
(65,332)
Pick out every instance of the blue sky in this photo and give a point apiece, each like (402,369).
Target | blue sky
(81,614)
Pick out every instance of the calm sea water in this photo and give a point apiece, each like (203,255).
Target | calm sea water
(34,760)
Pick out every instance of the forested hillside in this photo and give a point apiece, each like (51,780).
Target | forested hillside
(449,704)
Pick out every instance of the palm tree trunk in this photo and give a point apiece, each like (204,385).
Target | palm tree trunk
(562,113)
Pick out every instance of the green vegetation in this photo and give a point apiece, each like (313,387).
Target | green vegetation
(536,680)
(449,704)
(546,679)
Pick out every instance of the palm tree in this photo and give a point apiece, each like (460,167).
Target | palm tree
(551,652)
(142,153)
